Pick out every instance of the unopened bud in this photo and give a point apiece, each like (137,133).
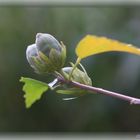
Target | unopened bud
(78,76)
(46,42)
(47,55)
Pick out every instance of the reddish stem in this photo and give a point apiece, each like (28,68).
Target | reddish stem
(131,100)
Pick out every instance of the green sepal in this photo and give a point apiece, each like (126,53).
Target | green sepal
(49,65)
(63,53)
(38,66)
(55,59)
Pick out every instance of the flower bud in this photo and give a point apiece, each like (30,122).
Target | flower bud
(46,42)
(78,76)
(47,55)
(31,52)
(34,60)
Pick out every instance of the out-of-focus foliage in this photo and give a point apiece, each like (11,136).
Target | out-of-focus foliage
(112,71)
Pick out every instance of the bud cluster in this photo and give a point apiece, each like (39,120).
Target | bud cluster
(47,55)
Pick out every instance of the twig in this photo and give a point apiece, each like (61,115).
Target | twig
(131,100)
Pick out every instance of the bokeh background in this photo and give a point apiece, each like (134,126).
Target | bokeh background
(113,71)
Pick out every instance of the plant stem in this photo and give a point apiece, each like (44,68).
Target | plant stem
(131,100)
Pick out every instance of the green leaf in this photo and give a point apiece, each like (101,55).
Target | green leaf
(71,93)
(33,90)
(74,91)
(65,91)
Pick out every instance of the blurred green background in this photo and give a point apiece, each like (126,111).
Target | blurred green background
(113,71)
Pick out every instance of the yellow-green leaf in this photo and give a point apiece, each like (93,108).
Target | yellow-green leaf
(91,45)
(33,90)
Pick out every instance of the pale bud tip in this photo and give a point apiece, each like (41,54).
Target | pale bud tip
(38,35)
